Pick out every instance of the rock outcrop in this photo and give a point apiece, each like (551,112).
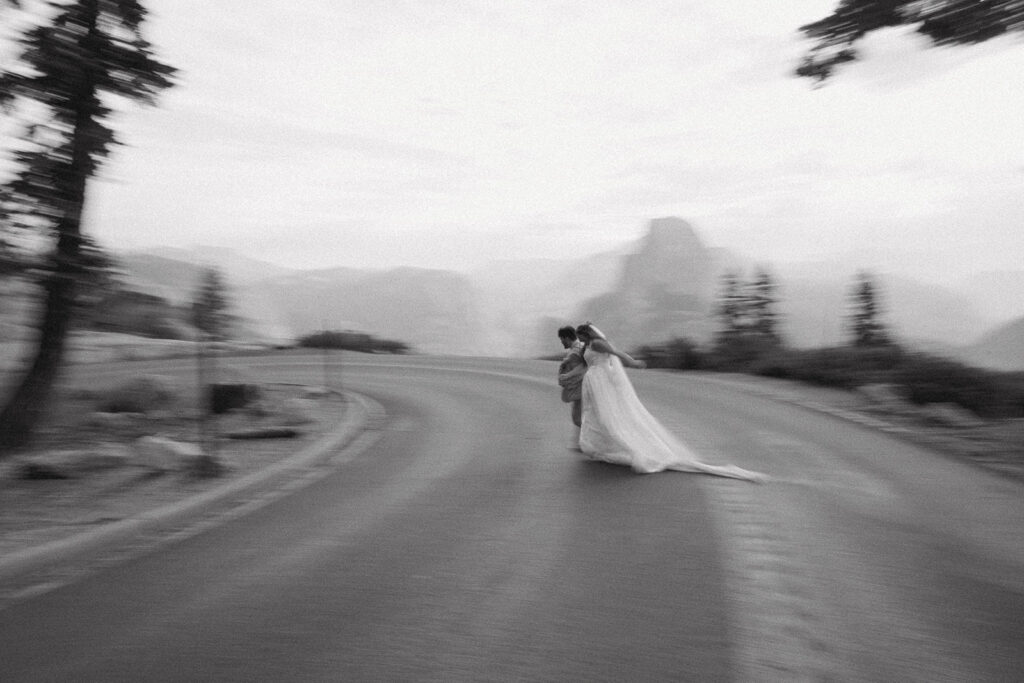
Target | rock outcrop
(665,289)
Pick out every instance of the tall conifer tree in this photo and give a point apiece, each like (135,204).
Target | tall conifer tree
(210,305)
(731,309)
(87,55)
(764,318)
(866,327)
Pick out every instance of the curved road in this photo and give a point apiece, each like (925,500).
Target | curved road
(463,541)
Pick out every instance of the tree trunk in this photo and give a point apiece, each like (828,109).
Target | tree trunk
(27,405)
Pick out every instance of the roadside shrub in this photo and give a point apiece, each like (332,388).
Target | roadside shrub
(844,367)
(779,362)
(922,378)
(392,346)
(676,354)
(931,379)
(740,352)
(352,341)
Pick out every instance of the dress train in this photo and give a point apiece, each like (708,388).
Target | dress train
(617,428)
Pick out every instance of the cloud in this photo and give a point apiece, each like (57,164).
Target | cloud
(442,126)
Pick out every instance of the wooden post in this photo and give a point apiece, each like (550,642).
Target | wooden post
(324,353)
(203,404)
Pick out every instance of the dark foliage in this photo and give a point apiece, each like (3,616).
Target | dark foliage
(865,319)
(845,367)
(741,352)
(225,397)
(676,354)
(13,259)
(748,323)
(922,378)
(352,341)
(747,342)
(945,22)
(75,64)
(929,379)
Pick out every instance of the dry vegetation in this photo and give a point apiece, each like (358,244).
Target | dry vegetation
(86,468)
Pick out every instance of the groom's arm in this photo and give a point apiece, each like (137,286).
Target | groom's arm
(577,371)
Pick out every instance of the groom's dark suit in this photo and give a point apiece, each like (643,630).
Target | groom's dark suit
(572,386)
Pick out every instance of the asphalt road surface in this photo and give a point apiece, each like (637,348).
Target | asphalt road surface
(462,540)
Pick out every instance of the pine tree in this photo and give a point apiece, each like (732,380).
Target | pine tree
(89,54)
(761,304)
(865,323)
(731,309)
(210,305)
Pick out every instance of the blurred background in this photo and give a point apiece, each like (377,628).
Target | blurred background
(810,209)
(463,178)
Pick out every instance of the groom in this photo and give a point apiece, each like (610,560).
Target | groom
(570,373)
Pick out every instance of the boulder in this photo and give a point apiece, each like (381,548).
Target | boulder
(225,397)
(161,453)
(68,464)
(204,466)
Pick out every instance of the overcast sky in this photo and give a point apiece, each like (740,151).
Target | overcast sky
(326,132)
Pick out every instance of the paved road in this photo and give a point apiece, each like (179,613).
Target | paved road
(465,542)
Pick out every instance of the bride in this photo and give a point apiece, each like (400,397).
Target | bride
(618,429)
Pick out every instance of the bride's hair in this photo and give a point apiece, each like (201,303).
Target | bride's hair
(588,329)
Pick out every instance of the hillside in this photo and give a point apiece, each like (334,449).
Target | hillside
(999,349)
(663,285)
(431,310)
(173,274)
(999,295)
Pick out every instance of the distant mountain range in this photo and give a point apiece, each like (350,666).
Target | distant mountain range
(661,286)
(433,310)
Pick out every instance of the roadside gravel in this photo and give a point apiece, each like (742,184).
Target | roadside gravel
(112,483)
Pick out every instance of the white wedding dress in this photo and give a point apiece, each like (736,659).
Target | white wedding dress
(618,429)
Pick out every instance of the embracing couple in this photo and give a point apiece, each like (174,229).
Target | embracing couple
(613,425)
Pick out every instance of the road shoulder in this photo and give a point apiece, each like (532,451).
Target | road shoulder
(54,521)
(994,445)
